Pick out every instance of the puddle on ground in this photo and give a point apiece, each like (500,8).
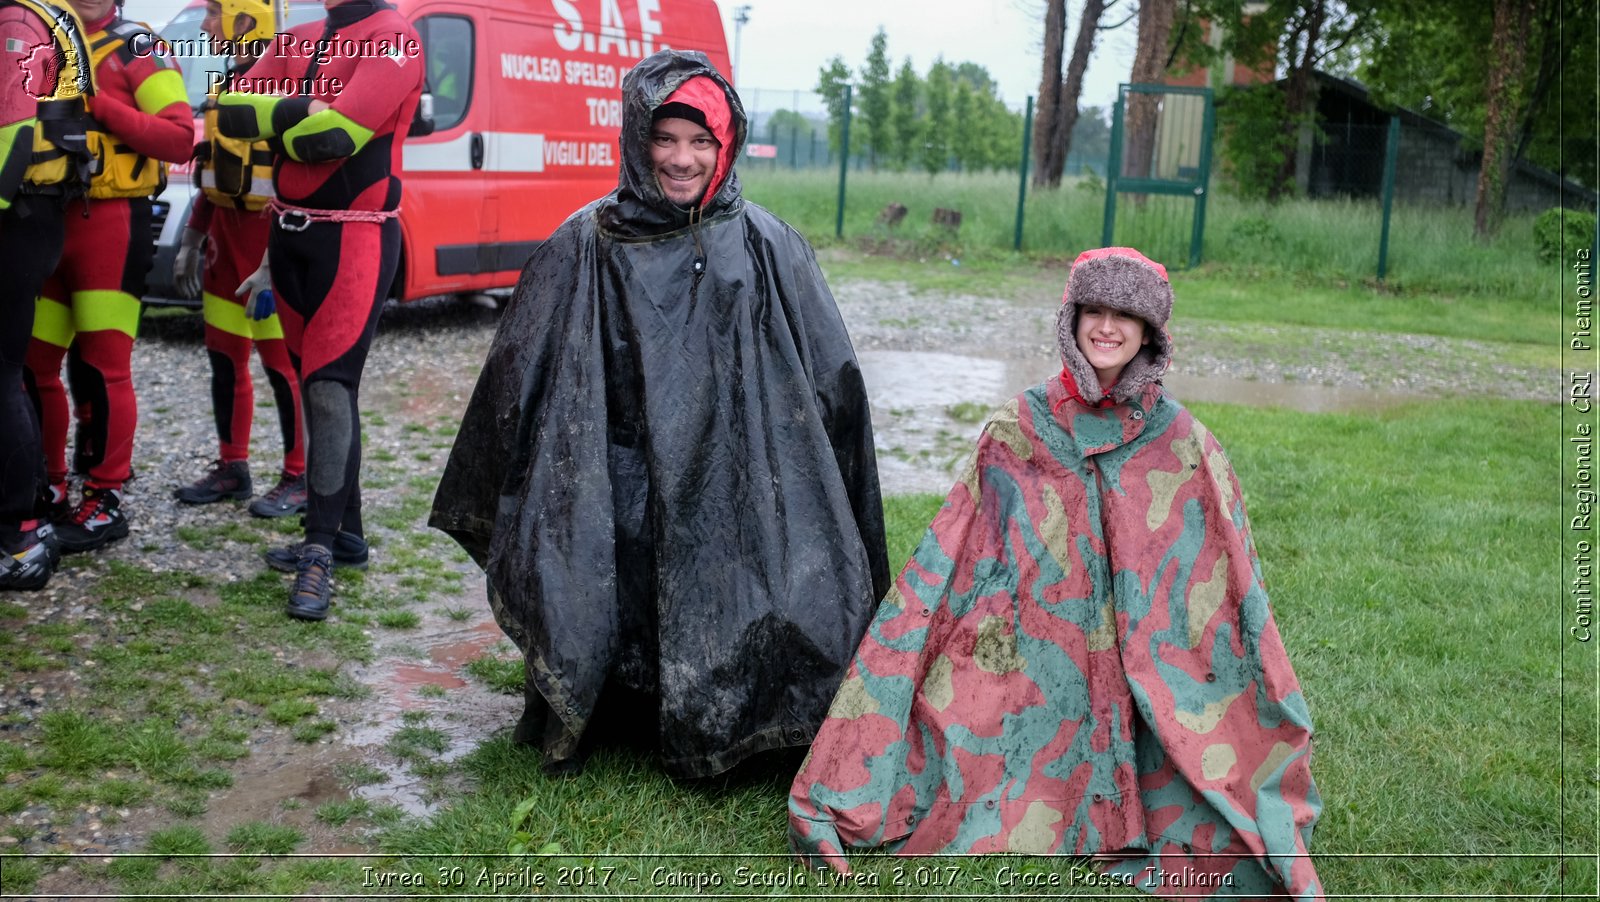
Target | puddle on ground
(467,711)
(1293,395)
(927,407)
(899,379)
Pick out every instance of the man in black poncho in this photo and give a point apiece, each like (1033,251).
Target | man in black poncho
(666,470)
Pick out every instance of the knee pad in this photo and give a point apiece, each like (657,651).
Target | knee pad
(331,430)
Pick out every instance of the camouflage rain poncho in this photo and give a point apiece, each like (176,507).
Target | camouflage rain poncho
(1079,659)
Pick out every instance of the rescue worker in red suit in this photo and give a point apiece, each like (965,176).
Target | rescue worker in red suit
(143,120)
(43,158)
(338,121)
(221,247)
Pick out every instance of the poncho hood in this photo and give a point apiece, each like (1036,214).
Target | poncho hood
(638,206)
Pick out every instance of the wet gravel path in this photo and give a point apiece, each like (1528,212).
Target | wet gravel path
(418,379)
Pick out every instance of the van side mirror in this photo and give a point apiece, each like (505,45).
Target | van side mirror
(422,119)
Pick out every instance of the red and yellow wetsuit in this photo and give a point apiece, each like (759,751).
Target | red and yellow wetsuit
(94,295)
(231,211)
(31,232)
(335,248)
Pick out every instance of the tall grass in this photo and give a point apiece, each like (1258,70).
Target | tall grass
(1431,248)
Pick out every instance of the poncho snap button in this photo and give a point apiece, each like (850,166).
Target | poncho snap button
(989,804)
(1211,678)
(1138,415)
(797,734)
(1099,798)
(927,612)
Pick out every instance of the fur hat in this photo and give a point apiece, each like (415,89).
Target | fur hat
(1117,278)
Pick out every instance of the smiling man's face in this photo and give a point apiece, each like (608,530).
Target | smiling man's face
(684,155)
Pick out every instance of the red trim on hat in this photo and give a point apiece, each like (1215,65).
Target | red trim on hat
(1099,252)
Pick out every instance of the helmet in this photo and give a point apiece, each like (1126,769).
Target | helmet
(267,13)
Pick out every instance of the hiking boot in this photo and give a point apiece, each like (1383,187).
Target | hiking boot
(312,594)
(52,505)
(349,550)
(285,498)
(96,521)
(227,480)
(30,568)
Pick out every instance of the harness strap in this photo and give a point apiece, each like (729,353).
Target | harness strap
(287,214)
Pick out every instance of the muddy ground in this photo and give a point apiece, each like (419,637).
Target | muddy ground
(934,366)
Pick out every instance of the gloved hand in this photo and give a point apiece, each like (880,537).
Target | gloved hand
(188,267)
(257,292)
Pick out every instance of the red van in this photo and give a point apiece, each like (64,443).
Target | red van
(526,98)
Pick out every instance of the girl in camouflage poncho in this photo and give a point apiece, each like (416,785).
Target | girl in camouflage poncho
(1079,659)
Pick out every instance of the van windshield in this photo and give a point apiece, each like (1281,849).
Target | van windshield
(194,55)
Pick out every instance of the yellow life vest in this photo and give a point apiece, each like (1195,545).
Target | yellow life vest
(60,153)
(119,170)
(233,172)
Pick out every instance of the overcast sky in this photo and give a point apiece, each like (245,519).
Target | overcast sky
(785,42)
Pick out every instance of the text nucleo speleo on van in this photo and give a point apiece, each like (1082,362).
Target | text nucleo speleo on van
(594,62)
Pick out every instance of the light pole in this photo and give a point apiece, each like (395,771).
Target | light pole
(741,15)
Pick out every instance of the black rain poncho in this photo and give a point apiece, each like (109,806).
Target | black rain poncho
(666,469)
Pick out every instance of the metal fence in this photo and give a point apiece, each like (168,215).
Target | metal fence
(789,130)
(1368,168)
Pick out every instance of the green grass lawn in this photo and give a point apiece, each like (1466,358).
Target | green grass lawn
(1411,560)
(1321,243)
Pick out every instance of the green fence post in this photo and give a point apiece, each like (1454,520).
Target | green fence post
(1391,158)
(1208,124)
(1113,168)
(844,162)
(1022,182)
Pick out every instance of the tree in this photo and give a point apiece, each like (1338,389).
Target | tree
(1506,95)
(1415,59)
(1299,36)
(832,81)
(903,116)
(977,77)
(874,98)
(1150,59)
(937,131)
(1047,134)
(967,144)
(1091,137)
(790,131)
(1058,97)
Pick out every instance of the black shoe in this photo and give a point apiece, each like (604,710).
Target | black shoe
(349,550)
(227,480)
(285,498)
(96,521)
(52,505)
(30,568)
(312,594)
